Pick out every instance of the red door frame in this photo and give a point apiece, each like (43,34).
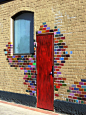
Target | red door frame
(43,104)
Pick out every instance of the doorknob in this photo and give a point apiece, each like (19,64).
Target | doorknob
(52,72)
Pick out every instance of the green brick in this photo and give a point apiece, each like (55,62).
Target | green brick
(56,89)
(58,44)
(67,99)
(64,85)
(61,81)
(29,76)
(74,100)
(44,23)
(82,102)
(56,35)
(29,70)
(68,90)
(15,67)
(56,64)
(27,90)
(6,58)
(84,89)
(32,55)
(55,26)
(60,40)
(79,98)
(63,52)
(34,63)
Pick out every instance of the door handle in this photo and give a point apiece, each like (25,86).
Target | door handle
(52,71)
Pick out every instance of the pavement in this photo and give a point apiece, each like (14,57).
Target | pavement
(11,108)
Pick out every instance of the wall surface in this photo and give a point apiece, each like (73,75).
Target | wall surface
(70,18)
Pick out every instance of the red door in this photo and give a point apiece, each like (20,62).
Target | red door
(45,84)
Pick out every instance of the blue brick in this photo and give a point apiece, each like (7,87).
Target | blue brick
(60,46)
(56,46)
(76,88)
(55,49)
(62,61)
(57,32)
(5,52)
(71,52)
(55,61)
(84,95)
(32,61)
(55,52)
(62,58)
(83,80)
(77,101)
(83,86)
(22,56)
(58,29)
(66,52)
(29,65)
(31,83)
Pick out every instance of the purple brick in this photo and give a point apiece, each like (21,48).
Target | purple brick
(58,72)
(48,28)
(81,83)
(31,93)
(26,80)
(34,55)
(6,45)
(31,68)
(79,92)
(58,49)
(45,25)
(32,86)
(39,32)
(13,56)
(25,70)
(55,66)
(71,94)
(73,91)
(19,65)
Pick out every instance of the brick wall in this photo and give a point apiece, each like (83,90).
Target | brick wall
(70,17)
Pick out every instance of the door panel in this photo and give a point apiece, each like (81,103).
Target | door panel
(45,85)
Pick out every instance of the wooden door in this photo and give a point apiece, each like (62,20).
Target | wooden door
(45,83)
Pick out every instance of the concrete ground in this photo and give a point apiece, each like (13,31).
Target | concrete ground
(10,108)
